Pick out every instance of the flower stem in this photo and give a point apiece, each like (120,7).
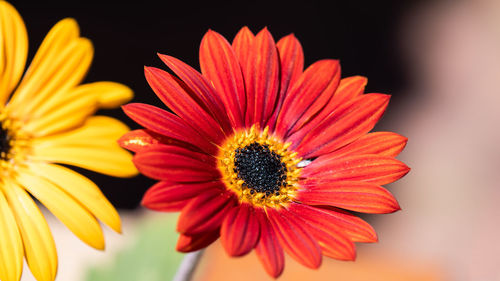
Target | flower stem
(188,265)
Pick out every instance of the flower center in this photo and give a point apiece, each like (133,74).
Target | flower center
(14,144)
(5,143)
(259,168)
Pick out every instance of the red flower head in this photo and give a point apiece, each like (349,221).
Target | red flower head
(264,154)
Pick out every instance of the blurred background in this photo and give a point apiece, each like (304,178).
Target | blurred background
(440,61)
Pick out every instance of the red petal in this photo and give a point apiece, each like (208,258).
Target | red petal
(268,249)
(311,115)
(168,206)
(167,124)
(201,86)
(176,164)
(187,106)
(261,79)
(242,45)
(205,212)
(334,242)
(240,230)
(356,196)
(136,140)
(344,96)
(191,243)
(295,239)
(348,89)
(357,229)
(163,194)
(308,95)
(369,168)
(341,127)
(219,64)
(381,143)
(291,67)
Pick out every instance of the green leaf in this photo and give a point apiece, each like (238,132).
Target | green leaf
(152,256)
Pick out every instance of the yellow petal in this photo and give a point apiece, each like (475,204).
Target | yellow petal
(82,189)
(39,247)
(109,160)
(13,49)
(106,94)
(109,94)
(11,247)
(52,79)
(56,41)
(72,108)
(97,131)
(65,208)
(59,36)
(71,113)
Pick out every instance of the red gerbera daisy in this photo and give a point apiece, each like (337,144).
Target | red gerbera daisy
(264,154)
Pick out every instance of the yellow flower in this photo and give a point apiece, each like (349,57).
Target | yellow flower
(46,118)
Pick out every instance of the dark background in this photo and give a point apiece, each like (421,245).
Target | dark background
(362,34)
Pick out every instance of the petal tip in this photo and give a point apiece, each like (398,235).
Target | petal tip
(70,22)
(396,205)
(245,29)
(147,70)
(146,201)
(386,97)
(405,170)
(122,141)
(163,56)
(86,44)
(118,229)
(363,79)
(99,246)
(125,107)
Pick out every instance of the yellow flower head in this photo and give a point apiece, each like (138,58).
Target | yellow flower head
(46,118)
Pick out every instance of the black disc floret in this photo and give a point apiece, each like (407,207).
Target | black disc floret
(4,143)
(260,168)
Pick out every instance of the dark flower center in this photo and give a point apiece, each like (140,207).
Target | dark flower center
(4,143)
(260,168)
